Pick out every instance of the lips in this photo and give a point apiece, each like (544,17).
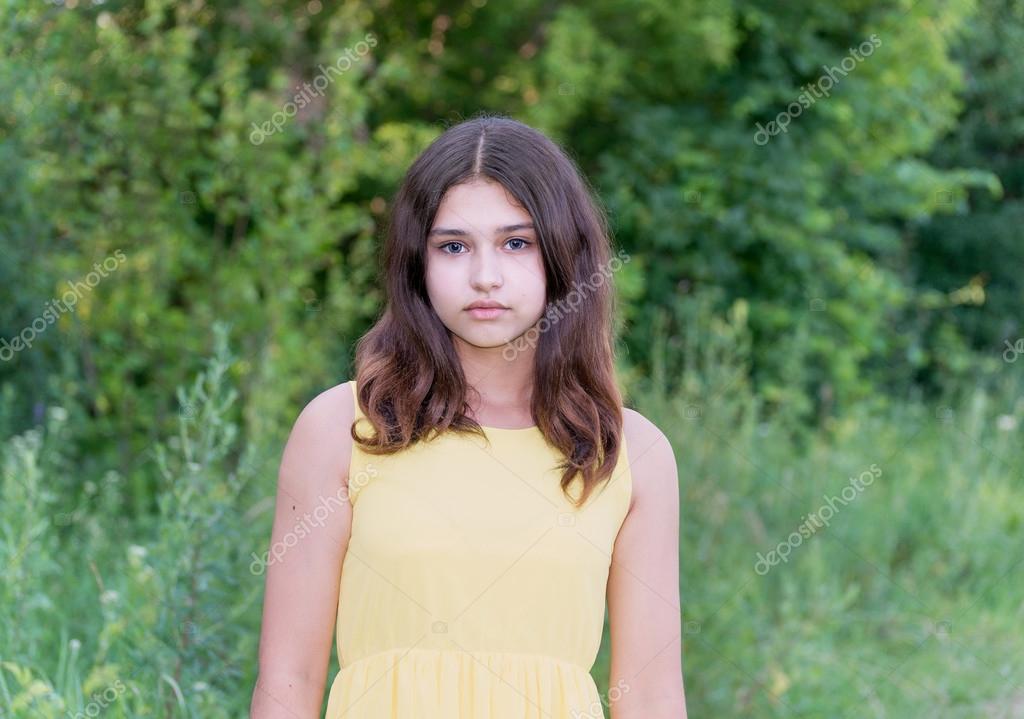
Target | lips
(486,310)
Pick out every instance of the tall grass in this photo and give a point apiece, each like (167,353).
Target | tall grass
(105,617)
(906,603)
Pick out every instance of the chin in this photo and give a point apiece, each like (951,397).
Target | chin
(486,338)
(485,341)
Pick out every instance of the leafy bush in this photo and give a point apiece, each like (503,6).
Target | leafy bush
(170,624)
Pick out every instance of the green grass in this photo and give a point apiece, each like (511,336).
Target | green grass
(907,604)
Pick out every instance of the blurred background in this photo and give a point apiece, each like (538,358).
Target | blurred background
(821,206)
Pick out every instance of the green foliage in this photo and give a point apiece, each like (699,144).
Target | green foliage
(163,625)
(138,121)
(906,602)
(28,543)
(137,128)
(972,255)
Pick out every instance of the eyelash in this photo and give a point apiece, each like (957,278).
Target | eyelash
(525,242)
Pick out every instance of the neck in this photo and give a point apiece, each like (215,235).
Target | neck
(500,381)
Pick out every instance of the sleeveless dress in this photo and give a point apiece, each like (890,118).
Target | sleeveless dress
(472,588)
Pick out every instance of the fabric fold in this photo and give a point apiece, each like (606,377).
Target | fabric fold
(458,684)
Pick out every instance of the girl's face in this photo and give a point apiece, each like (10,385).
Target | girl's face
(483,247)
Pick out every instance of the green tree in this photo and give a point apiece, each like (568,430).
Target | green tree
(970,257)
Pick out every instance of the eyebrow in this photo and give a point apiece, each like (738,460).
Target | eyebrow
(462,233)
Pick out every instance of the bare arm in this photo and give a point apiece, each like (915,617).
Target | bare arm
(312,520)
(643,585)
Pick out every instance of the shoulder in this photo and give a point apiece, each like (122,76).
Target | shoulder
(321,433)
(332,402)
(652,461)
(328,412)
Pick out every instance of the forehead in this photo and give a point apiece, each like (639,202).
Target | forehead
(479,205)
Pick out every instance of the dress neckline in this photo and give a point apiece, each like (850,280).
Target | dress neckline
(508,429)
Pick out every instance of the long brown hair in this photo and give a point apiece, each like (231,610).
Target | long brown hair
(409,379)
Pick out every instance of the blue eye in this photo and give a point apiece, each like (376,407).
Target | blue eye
(525,243)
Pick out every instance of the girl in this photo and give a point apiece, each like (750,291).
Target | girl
(463,508)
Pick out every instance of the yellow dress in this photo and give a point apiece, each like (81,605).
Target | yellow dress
(472,588)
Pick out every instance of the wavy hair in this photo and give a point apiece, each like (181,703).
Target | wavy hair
(409,378)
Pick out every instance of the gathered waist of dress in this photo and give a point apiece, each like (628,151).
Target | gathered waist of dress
(415,682)
(485,655)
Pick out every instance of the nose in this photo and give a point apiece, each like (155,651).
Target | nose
(485,270)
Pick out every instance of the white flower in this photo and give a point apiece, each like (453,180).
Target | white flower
(109,596)
(75,645)
(200,686)
(137,550)
(1006,422)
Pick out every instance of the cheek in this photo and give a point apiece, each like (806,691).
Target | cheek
(438,283)
(530,277)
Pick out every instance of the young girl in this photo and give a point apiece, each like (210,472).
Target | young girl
(462,507)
